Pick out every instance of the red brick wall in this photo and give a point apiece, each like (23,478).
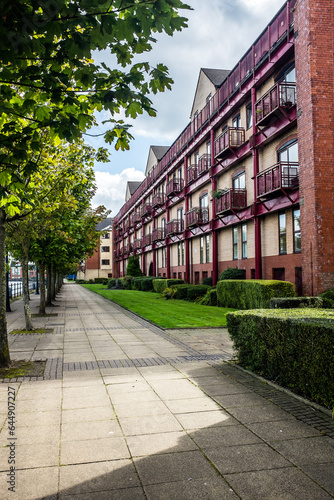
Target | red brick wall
(94,261)
(314,20)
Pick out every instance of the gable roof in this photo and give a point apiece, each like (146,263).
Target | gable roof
(160,151)
(103,225)
(133,186)
(216,76)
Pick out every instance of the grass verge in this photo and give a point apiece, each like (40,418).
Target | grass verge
(23,369)
(165,313)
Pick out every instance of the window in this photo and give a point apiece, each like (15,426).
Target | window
(202,250)
(297,247)
(208,148)
(106,236)
(288,74)
(179,254)
(105,249)
(249,116)
(288,152)
(279,273)
(236,122)
(239,181)
(207,248)
(204,201)
(196,157)
(208,101)
(235,243)
(196,119)
(164,257)
(282,233)
(105,262)
(182,253)
(244,240)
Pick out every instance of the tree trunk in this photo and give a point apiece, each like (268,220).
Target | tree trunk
(49,287)
(53,282)
(25,283)
(4,349)
(42,288)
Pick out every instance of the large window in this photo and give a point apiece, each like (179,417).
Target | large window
(288,152)
(288,74)
(207,248)
(236,122)
(105,262)
(239,181)
(201,259)
(235,243)
(297,246)
(249,116)
(105,249)
(204,201)
(244,240)
(282,233)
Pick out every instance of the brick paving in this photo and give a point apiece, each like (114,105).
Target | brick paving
(126,410)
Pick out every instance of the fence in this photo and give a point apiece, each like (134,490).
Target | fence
(16,289)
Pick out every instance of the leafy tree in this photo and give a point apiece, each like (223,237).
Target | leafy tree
(133,268)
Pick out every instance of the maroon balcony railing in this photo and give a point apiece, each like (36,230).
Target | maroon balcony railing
(175,226)
(137,244)
(232,137)
(158,200)
(204,163)
(283,175)
(158,234)
(146,209)
(233,199)
(191,173)
(174,186)
(281,96)
(196,216)
(136,217)
(147,240)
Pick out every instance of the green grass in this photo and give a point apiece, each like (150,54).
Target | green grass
(165,313)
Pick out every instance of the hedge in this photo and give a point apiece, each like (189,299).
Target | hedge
(294,302)
(232,273)
(292,347)
(252,294)
(196,291)
(210,298)
(111,283)
(160,284)
(180,291)
(146,283)
(101,281)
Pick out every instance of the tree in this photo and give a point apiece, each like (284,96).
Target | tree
(50,85)
(133,268)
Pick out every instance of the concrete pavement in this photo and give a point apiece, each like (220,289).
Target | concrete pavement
(128,411)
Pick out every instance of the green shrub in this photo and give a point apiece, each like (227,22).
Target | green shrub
(232,273)
(294,302)
(251,294)
(111,283)
(210,298)
(100,281)
(292,347)
(126,282)
(207,281)
(195,292)
(146,283)
(168,293)
(160,284)
(136,283)
(181,291)
(328,294)
(81,282)
(133,268)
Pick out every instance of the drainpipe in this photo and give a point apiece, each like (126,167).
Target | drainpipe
(257,220)
(186,239)
(213,216)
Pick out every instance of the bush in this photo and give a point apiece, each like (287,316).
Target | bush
(146,283)
(328,294)
(133,268)
(207,281)
(136,283)
(81,282)
(126,282)
(160,284)
(195,292)
(252,294)
(168,293)
(100,281)
(232,273)
(210,298)
(292,347)
(181,291)
(294,302)
(111,283)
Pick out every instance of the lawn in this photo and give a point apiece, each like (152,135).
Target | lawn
(165,313)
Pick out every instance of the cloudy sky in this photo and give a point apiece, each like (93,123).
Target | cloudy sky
(219,33)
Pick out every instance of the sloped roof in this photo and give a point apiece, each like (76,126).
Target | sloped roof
(133,186)
(103,225)
(216,76)
(160,151)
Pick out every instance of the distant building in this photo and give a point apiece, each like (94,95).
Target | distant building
(100,264)
(249,182)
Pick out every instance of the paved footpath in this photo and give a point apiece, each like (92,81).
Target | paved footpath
(127,411)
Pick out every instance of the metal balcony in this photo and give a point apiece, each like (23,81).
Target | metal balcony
(147,240)
(191,173)
(231,138)
(175,226)
(204,164)
(137,244)
(158,200)
(281,97)
(158,234)
(146,210)
(197,216)
(136,217)
(231,200)
(282,176)
(174,187)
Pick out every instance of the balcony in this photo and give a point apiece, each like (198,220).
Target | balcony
(191,173)
(281,97)
(174,187)
(158,234)
(282,176)
(231,138)
(136,217)
(147,240)
(175,226)
(197,216)
(204,164)
(137,244)
(146,210)
(127,248)
(158,200)
(231,200)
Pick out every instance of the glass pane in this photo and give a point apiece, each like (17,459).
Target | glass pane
(282,243)
(204,201)
(291,75)
(296,220)
(293,152)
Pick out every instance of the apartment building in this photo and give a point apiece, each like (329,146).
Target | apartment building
(249,182)
(101,263)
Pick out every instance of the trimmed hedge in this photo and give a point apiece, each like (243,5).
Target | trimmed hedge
(100,281)
(111,283)
(196,291)
(252,294)
(160,284)
(232,273)
(292,347)
(180,292)
(207,281)
(210,298)
(146,284)
(294,302)
(126,282)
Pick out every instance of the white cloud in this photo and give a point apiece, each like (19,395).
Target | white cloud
(111,188)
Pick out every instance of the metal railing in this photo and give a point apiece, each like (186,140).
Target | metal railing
(281,95)
(16,288)
(233,199)
(282,175)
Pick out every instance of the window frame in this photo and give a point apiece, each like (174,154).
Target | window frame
(282,234)
(235,242)
(296,231)
(244,241)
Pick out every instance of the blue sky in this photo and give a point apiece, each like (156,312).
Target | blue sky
(219,32)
